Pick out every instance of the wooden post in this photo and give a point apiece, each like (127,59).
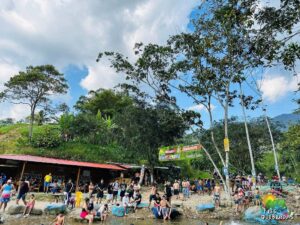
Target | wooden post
(21,176)
(77,181)
(23,170)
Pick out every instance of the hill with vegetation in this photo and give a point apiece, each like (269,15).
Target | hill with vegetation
(287,120)
(13,140)
(49,141)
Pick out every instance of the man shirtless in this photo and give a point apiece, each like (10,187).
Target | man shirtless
(59,220)
(217,195)
(176,189)
(165,208)
(152,194)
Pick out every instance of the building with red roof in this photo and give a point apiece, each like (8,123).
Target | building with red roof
(36,167)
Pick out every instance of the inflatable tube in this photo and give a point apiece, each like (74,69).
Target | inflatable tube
(205,207)
(118,211)
(56,207)
(142,205)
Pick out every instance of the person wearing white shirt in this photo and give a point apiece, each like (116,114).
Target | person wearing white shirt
(126,202)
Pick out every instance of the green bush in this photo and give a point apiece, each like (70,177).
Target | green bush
(49,137)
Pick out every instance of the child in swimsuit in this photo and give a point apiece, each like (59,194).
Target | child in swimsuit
(257,196)
(59,220)
(29,206)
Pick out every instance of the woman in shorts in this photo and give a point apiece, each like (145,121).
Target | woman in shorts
(6,191)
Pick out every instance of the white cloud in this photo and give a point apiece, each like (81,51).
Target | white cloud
(63,32)
(6,71)
(17,112)
(100,75)
(73,32)
(275,87)
(200,107)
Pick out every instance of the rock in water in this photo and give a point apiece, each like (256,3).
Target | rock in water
(15,209)
(19,209)
(55,208)
(36,212)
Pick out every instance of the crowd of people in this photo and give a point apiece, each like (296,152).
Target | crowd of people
(118,194)
(101,195)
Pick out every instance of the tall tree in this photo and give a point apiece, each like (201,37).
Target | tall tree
(108,102)
(33,88)
(144,128)
(240,157)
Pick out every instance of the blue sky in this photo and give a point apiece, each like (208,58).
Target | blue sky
(52,32)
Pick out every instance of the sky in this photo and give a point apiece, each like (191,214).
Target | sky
(70,33)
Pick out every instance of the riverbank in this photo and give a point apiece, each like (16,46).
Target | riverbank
(187,209)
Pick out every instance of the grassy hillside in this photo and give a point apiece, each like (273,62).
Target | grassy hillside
(13,141)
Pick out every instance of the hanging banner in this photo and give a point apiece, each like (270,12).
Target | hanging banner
(226,145)
(171,153)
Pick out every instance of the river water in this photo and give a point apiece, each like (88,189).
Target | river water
(119,221)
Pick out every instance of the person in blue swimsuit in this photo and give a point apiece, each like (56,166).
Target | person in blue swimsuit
(6,192)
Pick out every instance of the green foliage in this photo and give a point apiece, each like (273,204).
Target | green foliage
(260,141)
(142,130)
(290,151)
(108,102)
(190,170)
(7,121)
(47,137)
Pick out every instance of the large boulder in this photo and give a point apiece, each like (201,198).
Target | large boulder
(19,209)
(55,208)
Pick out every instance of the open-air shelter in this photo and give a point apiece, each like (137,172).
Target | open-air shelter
(36,167)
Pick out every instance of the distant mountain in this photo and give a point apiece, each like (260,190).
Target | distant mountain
(287,120)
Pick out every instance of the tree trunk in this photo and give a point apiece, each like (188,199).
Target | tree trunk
(226,187)
(142,174)
(151,171)
(226,134)
(273,147)
(213,136)
(247,134)
(31,123)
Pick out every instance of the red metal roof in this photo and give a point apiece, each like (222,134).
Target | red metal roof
(38,159)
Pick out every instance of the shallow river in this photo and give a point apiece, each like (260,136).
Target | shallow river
(117,221)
